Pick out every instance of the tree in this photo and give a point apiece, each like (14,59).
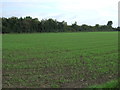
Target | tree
(109,26)
(109,23)
(30,25)
(75,26)
(118,29)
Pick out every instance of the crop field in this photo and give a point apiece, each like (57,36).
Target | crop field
(59,60)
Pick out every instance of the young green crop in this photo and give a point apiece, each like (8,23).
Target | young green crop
(59,59)
(109,84)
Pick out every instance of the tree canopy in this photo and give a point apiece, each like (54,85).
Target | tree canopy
(30,25)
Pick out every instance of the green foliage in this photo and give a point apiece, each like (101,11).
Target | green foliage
(55,86)
(32,25)
(110,84)
(109,23)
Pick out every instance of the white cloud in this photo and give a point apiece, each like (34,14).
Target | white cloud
(82,11)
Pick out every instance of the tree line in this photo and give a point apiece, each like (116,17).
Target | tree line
(31,25)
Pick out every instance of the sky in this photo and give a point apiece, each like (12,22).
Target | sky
(88,12)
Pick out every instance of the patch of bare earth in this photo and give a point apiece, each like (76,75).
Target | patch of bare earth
(84,83)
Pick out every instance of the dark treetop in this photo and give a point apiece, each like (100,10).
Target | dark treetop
(30,25)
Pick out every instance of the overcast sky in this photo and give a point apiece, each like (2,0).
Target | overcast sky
(89,12)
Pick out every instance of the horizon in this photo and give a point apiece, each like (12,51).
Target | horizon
(82,11)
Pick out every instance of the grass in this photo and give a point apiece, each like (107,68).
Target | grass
(52,60)
(110,84)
